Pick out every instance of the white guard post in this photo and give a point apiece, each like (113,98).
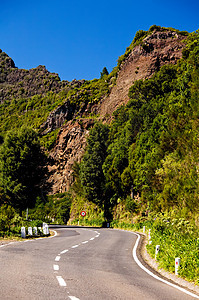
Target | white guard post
(30,231)
(157,249)
(44,224)
(177,264)
(149,237)
(23,232)
(46,229)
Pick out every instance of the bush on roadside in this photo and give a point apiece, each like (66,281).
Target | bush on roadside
(177,237)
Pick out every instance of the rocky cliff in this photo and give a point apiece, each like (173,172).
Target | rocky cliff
(70,146)
(156,50)
(17,83)
(145,57)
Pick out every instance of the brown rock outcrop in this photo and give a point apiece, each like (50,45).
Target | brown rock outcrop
(156,50)
(69,148)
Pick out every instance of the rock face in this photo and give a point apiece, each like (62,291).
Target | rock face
(158,49)
(57,118)
(69,148)
(18,83)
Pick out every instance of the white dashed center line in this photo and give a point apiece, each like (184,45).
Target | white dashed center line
(57,258)
(64,251)
(75,246)
(56,267)
(61,281)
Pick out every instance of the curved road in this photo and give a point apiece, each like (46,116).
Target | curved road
(79,263)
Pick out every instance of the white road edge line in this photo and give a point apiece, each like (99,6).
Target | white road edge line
(25,241)
(155,276)
(73,298)
(55,234)
(61,281)
(84,242)
(91,239)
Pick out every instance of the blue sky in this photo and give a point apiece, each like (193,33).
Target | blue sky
(76,39)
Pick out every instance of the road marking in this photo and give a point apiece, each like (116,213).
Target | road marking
(33,240)
(56,267)
(61,281)
(64,251)
(57,258)
(75,246)
(155,276)
(55,234)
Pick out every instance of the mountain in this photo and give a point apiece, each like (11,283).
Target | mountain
(20,83)
(63,112)
(158,48)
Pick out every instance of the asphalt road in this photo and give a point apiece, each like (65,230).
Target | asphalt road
(79,263)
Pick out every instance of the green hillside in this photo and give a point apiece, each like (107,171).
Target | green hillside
(142,169)
(152,145)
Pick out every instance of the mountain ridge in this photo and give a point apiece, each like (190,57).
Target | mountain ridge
(140,64)
(151,50)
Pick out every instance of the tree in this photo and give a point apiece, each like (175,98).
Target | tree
(104,72)
(91,173)
(21,167)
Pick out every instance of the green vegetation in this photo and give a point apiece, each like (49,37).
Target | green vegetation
(23,175)
(153,141)
(90,92)
(94,214)
(55,209)
(177,237)
(91,173)
(35,110)
(104,72)
(21,168)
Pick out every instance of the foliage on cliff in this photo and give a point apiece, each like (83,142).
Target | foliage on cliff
(153,141)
